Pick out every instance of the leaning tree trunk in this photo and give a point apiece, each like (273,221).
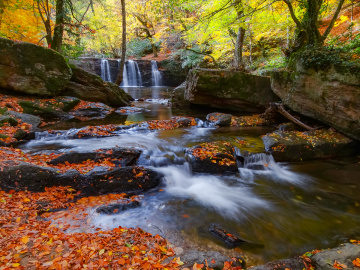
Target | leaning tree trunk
(59,26)
(119,77)
(238,59)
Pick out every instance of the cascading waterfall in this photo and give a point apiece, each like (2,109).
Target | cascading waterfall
(156,75)
(131,74)
(125,81)
(105,70)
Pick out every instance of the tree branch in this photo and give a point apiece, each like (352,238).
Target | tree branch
(191,50)
(293,16)
(332,23)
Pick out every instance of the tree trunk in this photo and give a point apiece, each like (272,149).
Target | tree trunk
(155,52)
(59,26)
(119,77)
(238,60)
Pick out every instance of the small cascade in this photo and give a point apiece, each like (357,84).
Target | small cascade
(105,70)
(259,161)
(125,81)
(131,74)
(155,73)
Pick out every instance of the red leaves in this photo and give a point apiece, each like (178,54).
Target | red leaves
(253,120)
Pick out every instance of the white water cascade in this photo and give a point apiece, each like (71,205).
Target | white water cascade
(131,74)
(105,70)
(155,74)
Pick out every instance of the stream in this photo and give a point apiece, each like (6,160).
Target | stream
(281,211)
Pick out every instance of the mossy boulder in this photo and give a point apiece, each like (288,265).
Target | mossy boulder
(43,109)
(322,87)
(90,87)
(228,89)
(32,69)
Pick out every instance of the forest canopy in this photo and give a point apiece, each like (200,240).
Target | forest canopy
(226,33)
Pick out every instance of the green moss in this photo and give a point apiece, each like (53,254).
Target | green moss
(324,58)
(3,110)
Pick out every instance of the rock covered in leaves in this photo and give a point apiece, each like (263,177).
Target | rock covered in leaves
(318,144)
(91,110)
(27,68)
(342,257)
(117,156)
(215,157)
(219,119)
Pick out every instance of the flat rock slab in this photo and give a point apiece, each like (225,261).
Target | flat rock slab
(119,180)
(319,144)
(215,157)
(219,119)
(293,264)
(119,156)
(35,178)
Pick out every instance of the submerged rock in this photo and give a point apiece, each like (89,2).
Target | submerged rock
(318,144)
(293,264)
(215,157)
(114,208)
(32,69)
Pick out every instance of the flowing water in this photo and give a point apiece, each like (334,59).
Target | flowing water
(105,70)
(155,74)
(280,209)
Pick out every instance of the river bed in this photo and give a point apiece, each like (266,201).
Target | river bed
(282,211)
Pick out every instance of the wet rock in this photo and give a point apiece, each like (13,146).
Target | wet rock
(293,264)
(90,87)
(92,110)
(33,120)
(119,156)
(319,144)
(344,254)
(26,68)
(230,90)
(118,180)
(178,97)
(67,103)
(214,259)
(219,119)
(215,157)
(47,109)
(129,110)
(34,178)
(229,239)
(183,121)
(249,121)
(8,119)
(117,207)
(288,127)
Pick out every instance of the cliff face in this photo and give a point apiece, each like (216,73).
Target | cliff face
(330,94)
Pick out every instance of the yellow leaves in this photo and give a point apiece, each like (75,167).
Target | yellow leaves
(341,20)
(25,239)
(101,252)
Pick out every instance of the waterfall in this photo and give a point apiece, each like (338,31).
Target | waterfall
(125,81)
(131,74)
(156,76)
(105,70)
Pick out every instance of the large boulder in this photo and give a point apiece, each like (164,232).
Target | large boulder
(299,146)
(90,87)
(324,91)
(32,69)
(227,89)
